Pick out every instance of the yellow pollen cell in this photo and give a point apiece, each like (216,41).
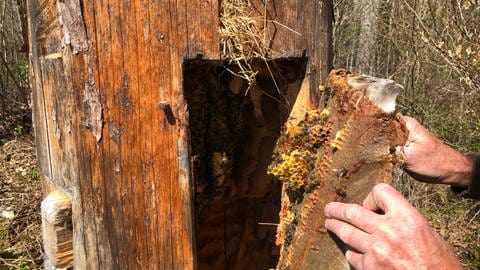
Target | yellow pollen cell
(325,113)
(338,140)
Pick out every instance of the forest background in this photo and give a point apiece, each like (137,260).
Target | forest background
(431,47)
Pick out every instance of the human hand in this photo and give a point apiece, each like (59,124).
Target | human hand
(430,160)
(397,238)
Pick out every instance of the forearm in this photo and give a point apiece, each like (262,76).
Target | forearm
(439,163)
(453,168)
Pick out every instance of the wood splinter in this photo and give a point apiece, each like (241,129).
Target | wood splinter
(56,211)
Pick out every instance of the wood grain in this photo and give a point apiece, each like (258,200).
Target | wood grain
(351,144)
(56,211)
(98,70)
(298,28)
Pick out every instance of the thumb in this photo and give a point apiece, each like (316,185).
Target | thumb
(414,129)
(410,122)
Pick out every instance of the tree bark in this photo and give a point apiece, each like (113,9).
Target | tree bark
(365,56)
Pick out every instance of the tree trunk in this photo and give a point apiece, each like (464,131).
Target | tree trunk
(113,125)
(365,56)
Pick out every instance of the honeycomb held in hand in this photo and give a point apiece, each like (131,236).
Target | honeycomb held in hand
(337,153)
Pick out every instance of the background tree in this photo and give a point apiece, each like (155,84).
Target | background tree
(14,88)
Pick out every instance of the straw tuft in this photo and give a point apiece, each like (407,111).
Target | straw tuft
(243,38)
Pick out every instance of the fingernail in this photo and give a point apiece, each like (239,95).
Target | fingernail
(401,149)
(348,254)
(327,224)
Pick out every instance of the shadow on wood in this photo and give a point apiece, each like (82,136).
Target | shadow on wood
(233,129)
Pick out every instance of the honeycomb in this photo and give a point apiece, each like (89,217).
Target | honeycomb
(294,167)
(319,134)
(296,149)
(351,141)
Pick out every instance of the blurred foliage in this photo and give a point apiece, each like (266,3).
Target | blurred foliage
(14,88)
(432,48)
(20,190)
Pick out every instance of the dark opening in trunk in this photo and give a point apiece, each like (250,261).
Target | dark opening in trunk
(233,129)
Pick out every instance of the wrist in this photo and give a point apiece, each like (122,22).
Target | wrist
(472,189)
(459,170)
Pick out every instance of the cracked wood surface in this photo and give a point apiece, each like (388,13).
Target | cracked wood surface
(98,69)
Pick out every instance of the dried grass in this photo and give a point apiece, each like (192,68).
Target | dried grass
(243,38)
(455,218)
(20,196)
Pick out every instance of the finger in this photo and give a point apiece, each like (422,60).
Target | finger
(354,214)
(401,157)
(410,122)
(350,235)
(385,198)
(355,259)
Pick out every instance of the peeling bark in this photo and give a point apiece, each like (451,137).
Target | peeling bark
(71,19)
(92,109)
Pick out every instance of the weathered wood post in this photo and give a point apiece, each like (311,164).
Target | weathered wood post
(99,70)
